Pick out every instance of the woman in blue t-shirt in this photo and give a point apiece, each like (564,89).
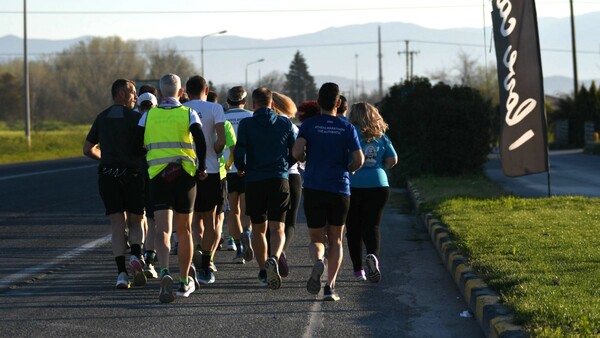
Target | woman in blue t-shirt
(369,189)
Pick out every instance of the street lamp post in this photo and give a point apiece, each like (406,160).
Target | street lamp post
(202,49)
(248,64)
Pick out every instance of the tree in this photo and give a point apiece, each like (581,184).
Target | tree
(468,72)
(437,129)
(275,81)
(11,94)
(86,72)
(300,85)
(161,62)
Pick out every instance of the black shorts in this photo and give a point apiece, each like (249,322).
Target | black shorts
(323,208)
(267,200)
(178,195)
(236,183)
(122,193)
(211,192)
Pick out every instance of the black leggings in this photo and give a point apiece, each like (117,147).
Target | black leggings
(364,217)
(295,181)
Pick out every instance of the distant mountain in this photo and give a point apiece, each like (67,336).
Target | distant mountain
(340,53)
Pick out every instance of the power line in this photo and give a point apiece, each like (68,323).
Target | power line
(318,45)
(228,11)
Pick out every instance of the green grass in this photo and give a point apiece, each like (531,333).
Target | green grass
(541,255)
(45,145)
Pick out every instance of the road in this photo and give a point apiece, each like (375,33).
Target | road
(571,173)
(57,277)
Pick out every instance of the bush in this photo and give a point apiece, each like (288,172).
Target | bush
(439,130)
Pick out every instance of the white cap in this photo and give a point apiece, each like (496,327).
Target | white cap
(147,97)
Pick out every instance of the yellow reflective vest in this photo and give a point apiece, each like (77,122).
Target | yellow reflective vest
(167,139)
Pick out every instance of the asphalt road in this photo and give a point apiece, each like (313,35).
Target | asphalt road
(57,277)
(571,173)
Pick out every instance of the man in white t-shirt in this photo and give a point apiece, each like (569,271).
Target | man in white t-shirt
(237,222)
(211,192)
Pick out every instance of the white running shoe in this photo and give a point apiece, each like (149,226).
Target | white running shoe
(123,281)
(136,269)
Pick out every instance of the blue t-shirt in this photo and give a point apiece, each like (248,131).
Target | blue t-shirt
(372,174)
(329,141)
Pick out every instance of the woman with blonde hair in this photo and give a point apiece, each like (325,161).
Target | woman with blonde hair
(369,190)
(283,105)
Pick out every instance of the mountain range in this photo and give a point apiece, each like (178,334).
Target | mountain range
(348,55)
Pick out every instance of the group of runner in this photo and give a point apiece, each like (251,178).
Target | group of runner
(190,157)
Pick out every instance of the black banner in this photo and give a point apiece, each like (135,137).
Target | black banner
(523,139)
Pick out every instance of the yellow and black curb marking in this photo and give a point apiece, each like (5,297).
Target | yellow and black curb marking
(494,318)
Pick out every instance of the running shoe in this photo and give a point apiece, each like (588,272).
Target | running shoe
(360,275)
(284,269)
(185,290)
(212,267)
(150,272)
(206,278)
(166,294)
(194,276)
(373,273)
(329,294)
(122,281)
(314,282)
(262,278)
(239,259)
(247,252)
(136,269)
(230,246)
(273,277)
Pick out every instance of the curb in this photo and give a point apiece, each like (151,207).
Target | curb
(495,319)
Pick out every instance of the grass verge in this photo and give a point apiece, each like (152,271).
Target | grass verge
(45,145)
(541,255)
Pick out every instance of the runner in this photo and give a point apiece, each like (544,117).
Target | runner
(210,200)
(370,190)
(170,133)
(325,142)
(263,154)
(120,177)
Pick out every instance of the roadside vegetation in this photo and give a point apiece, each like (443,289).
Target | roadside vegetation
(45,144)
(542,256)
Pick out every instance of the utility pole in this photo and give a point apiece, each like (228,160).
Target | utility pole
(409,60)
(574,50)
(355,96)
(379,56)
(26,78)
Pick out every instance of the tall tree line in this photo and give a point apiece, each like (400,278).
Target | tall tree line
(74,85)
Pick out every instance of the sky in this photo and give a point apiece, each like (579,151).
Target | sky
(260,19)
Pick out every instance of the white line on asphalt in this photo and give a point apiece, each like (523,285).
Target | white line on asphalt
(32,272)
(46,172)
(315,321)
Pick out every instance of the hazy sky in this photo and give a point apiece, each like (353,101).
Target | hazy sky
(262,19)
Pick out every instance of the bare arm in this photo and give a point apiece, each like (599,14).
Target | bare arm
(91,150)
(220,142)
(390,162)
(299,149)
(358,159)
(229,161)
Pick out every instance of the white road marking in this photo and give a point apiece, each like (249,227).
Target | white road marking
(34,271)
(46,172)
(315,322)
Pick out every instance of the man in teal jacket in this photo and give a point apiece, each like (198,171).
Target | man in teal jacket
(263,154)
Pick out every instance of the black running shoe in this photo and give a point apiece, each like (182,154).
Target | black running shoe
(329,294)
(314,282)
